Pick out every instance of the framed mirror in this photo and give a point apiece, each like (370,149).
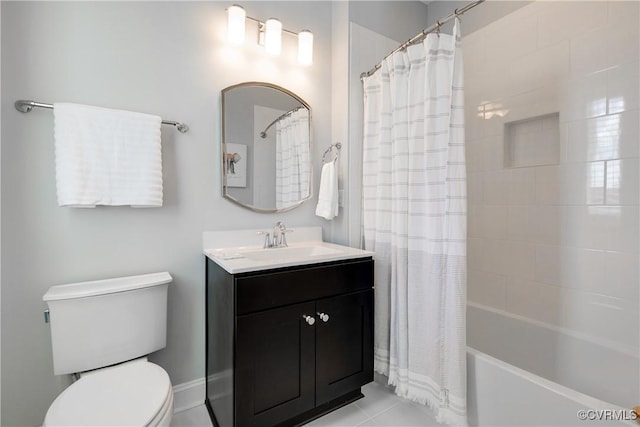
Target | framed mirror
(266,147)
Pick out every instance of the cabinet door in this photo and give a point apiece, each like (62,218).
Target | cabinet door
(344,344)
(275,365)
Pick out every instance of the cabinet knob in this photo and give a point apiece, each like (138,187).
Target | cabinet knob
(324,317)
(309,319)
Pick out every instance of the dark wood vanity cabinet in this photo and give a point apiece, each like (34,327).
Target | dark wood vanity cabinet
(287,345)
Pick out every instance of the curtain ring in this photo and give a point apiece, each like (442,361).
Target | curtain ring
(438,28)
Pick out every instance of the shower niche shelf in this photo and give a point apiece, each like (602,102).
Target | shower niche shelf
(533,141)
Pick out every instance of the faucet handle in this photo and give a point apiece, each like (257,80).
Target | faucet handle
(279,234)
(267,239)
(283,236)
(281,227)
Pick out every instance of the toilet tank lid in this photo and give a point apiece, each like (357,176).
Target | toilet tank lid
(107,286)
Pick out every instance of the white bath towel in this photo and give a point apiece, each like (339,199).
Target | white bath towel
(327,207)
(107,157)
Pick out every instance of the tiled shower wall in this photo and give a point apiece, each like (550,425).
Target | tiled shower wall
(553,208)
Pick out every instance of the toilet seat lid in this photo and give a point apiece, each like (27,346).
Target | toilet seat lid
(129,394)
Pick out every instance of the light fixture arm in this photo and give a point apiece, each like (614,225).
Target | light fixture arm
(261,26)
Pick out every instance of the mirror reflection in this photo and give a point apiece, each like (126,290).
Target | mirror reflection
(266,147)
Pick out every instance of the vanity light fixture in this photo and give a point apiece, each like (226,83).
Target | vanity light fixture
(273,36)
(305,47)
(269,34)
(236,19)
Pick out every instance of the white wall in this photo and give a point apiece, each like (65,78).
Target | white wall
(477,17)
(168,58)
(264,178)
(395,19)
(374,29)
(557,242)
(340,120)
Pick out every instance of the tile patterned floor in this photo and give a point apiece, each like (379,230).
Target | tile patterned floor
(379,407)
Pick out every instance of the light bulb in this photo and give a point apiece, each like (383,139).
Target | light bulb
(305,47)
(236,18)
(273,36)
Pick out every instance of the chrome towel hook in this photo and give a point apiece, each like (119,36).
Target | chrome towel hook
(338,146)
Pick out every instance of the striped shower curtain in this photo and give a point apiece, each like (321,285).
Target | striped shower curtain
(293,161)
(414,218)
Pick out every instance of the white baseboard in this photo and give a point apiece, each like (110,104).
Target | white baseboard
(188,395)
(191,394)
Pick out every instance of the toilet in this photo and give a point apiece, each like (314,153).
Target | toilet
(102,331)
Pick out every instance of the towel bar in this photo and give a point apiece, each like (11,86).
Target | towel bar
(25,106)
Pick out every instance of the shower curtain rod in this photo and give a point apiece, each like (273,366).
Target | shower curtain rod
(421,35)
(25,106)
(263,134)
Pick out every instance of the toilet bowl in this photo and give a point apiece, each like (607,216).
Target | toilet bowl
(136,393)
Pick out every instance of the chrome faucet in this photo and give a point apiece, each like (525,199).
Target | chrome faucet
(279,239)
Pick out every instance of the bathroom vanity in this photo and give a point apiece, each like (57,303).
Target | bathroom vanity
(289,332)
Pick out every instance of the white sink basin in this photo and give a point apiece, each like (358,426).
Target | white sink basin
(245,259)
(289,253)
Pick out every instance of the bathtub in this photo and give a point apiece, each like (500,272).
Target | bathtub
(527,373)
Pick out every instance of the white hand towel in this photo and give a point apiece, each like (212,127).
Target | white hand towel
(107,157)
(327,207)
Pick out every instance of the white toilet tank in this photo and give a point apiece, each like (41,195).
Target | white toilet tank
(104,322)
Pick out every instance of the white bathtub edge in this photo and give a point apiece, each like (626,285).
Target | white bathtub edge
(588,402)
(627,350)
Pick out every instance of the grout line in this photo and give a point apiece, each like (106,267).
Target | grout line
(383,410)
(386,410)
(368,419)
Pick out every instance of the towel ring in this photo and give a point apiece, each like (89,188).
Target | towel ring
(328,150)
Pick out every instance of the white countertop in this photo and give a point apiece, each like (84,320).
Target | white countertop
(229,249)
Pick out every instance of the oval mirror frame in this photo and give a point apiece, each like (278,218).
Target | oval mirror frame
(224,142)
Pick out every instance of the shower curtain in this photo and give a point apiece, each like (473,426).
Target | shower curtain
(414,218)
(293,162)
